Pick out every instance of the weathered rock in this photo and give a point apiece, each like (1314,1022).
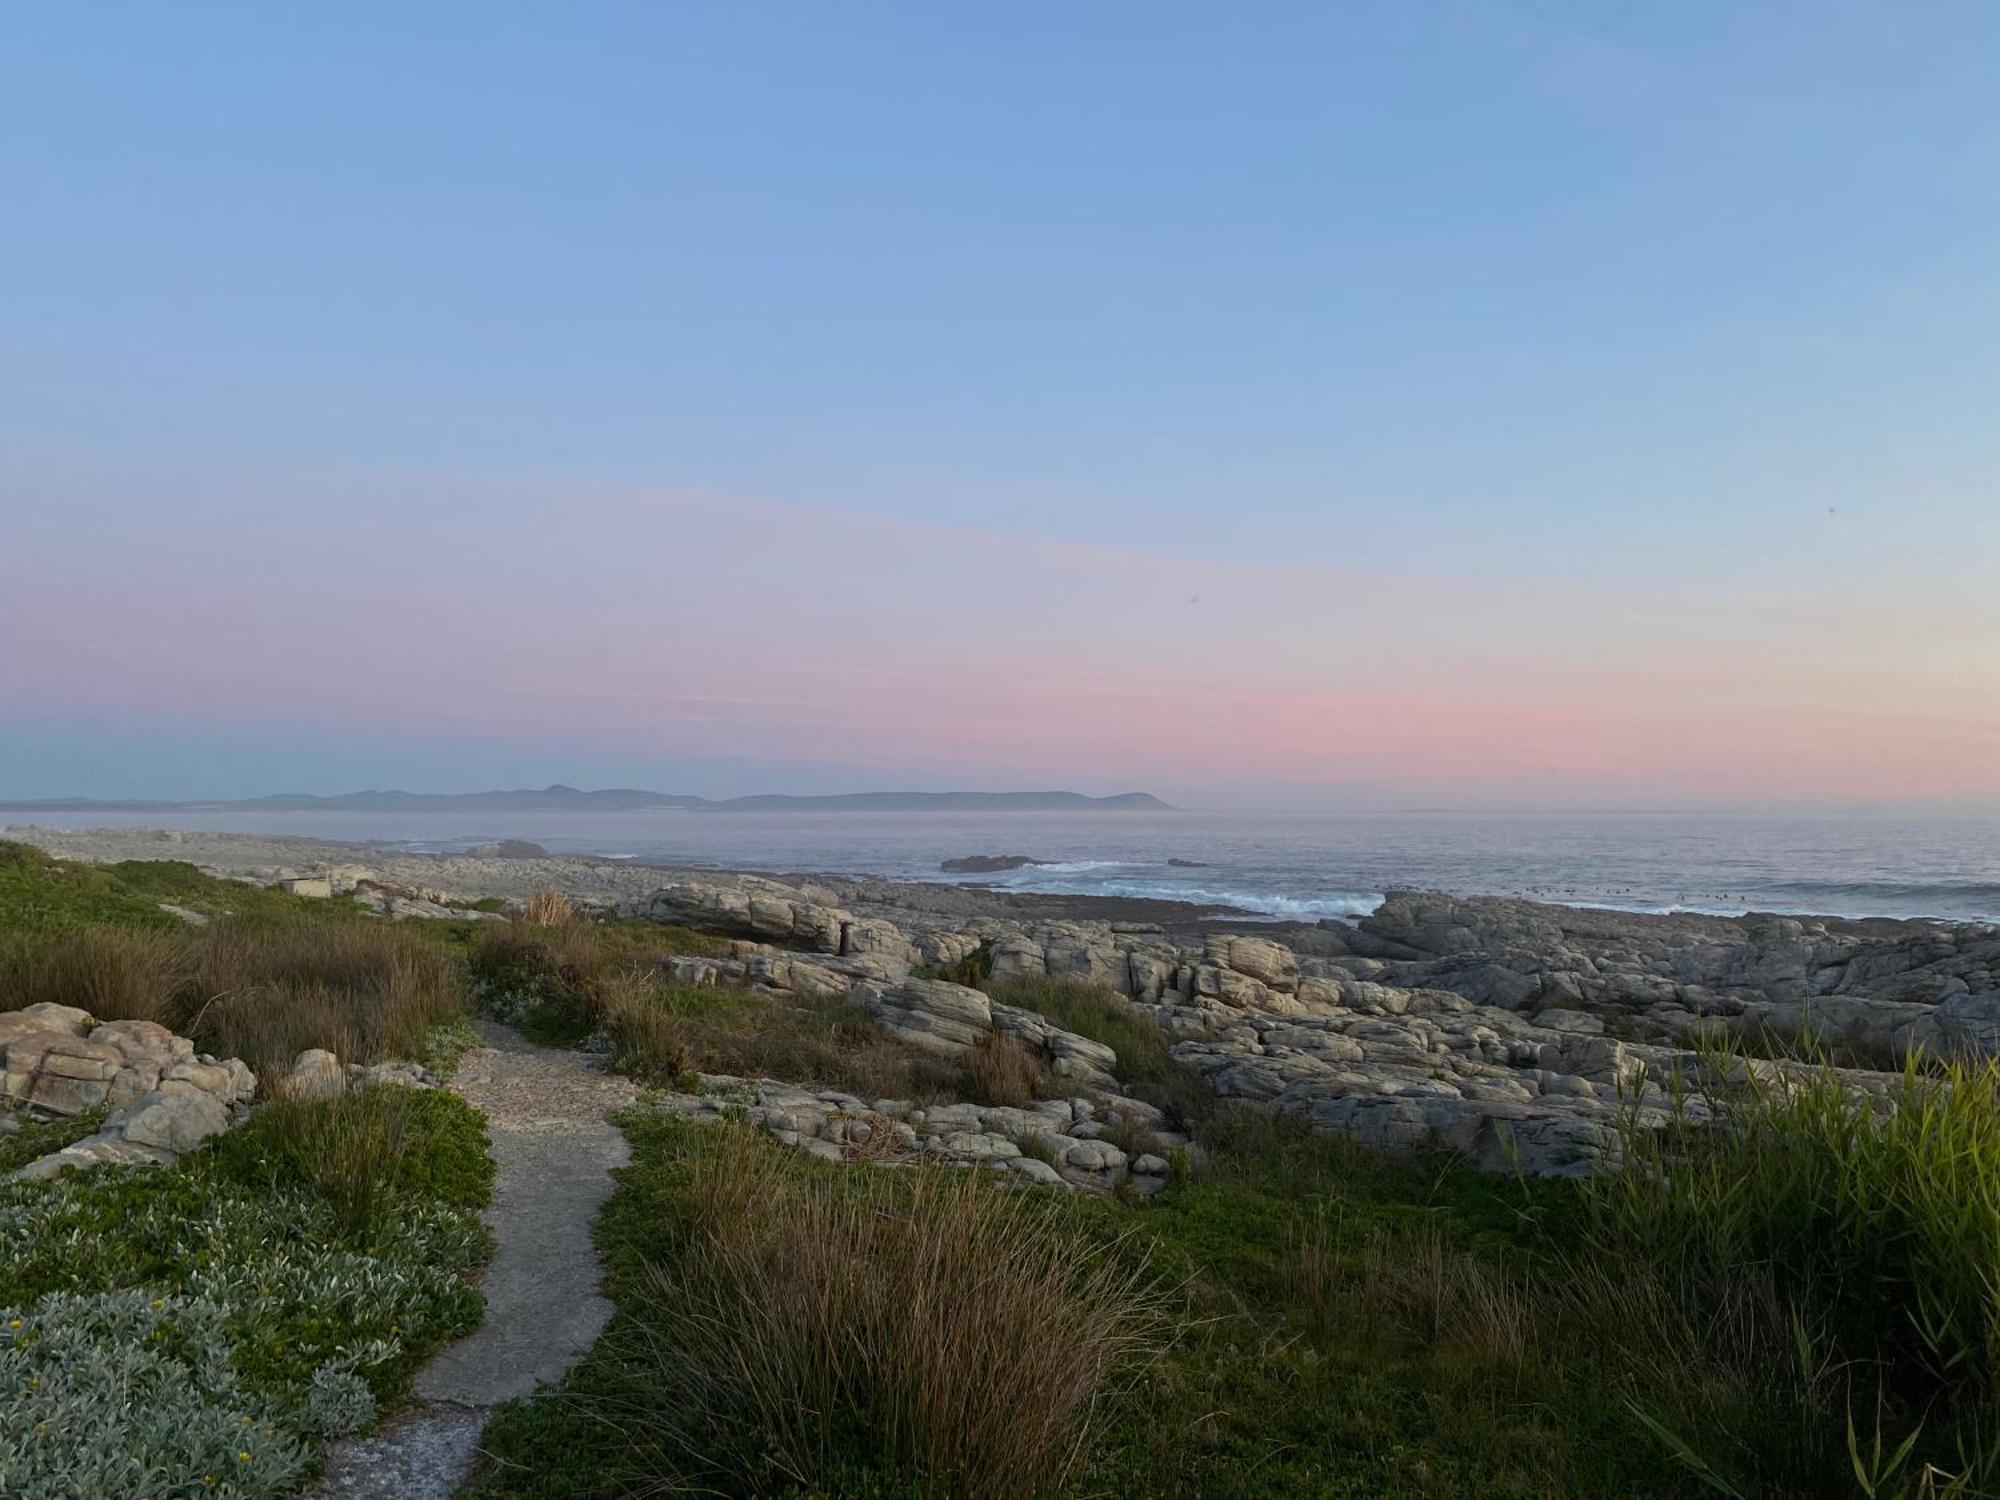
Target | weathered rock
(930,1013)
(51,1017)
(172,1119)
(1411,1027)
(315,1074)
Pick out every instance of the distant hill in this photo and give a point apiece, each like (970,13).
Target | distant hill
(560,798)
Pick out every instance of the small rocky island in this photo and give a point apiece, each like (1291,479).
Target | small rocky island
(989,864)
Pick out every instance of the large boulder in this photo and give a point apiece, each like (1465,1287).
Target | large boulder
(174,1117)
(762,909)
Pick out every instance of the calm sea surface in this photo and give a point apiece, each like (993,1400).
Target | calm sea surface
(1291,865)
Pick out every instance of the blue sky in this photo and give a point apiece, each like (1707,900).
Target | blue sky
(1529,312)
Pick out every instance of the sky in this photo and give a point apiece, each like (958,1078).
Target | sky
(1265,405)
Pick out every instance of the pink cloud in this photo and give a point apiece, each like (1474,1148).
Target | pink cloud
(685,624)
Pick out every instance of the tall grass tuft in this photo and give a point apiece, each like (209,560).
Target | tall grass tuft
(364,991)
(925,1322)
(115,973)
(547,907)
(1875,1221)
(1000,1071)
(648,1040)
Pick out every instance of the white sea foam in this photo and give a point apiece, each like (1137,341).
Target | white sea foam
(1266,903)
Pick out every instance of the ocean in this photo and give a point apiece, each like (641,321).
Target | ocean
(1288,865)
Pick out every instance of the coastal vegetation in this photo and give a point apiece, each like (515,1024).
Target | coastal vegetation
(199,1328)
(1789,1292)
(1304,1316)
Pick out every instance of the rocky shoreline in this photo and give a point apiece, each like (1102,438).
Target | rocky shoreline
(1516,1033)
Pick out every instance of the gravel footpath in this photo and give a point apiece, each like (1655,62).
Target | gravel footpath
(549,1112)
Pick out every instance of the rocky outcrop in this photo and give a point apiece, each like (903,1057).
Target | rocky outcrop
(164,1098)
(1512,1032)
(1060,1142)
(1668,969)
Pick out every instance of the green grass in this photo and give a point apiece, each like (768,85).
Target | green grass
(1355,1325)
(40,894)
(545,978)
(566,982)
(1874,1231)
(1145,1067)
(1250,1401)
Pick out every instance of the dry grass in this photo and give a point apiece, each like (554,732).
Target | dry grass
(882,1144)
(563,983)
(547,907)
(1418,1288)
(1000,1071)
(924,1321)
(364,991)
(648,1040)
(1146,1068)
(1134,1139)
(115,973)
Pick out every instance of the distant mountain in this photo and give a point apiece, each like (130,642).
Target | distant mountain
(560,798)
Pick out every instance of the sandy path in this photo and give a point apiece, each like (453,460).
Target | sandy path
(549,1112)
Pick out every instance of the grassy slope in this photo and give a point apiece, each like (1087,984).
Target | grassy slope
(40,894)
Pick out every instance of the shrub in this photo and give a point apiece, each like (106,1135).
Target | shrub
(648,1039)
(120,1393)
(1001,1071)
(665,1032)
(155,1306)
(539,977)
(1131,1137)
(115,973)
(364,991)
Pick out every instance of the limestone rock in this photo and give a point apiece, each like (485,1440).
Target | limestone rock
(315,1074)
(930,1013)
(58,1018)
(175,1121)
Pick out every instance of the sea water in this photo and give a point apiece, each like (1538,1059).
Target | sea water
(1291,865)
